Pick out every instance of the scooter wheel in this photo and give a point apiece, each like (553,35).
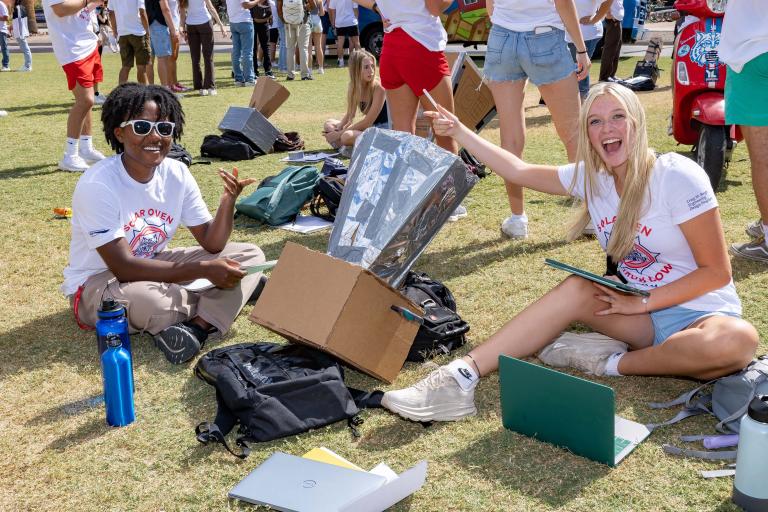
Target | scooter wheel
(710,152)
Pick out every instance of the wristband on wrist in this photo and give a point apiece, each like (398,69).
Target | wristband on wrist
(581,53)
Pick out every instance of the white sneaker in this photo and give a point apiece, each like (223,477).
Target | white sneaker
(341,63)
(24,69)
(320,71)
(514,227)
(435,398)
(99,99)
(203,92)
(459,213)
(3,113)
(587,352)
(212,91)
(90,155)
(5,68)
(755,229)
(73,163)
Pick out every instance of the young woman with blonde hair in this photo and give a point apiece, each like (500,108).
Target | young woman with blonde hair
(657,217)
(365,93)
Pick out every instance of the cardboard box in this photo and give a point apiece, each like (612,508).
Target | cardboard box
(472,98)
(267,96)
(249,123)
(339,308)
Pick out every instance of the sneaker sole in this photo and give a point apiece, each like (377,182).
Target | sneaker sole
(753,232)
(427,414)
(513,237)
(72,169)
(747,256)
(174,345)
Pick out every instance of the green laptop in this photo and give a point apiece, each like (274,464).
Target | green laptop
(566,411)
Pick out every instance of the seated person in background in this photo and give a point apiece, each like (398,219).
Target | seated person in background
(366,93)
(126,210)
(658,218)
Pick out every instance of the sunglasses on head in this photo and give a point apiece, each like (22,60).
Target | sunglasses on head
(142,127)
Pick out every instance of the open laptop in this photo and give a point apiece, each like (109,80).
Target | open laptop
(295,484)
(564,410)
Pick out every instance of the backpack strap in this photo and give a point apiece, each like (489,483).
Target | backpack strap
(210,433)
(721,426)
(683,414)
(685,398)
(700,454)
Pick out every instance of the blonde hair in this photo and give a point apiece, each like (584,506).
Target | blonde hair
(640,162)
(359,90)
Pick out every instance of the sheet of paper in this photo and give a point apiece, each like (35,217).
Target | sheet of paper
(306,224)
(310,157)
(382,469)
(391,492)
(202,284)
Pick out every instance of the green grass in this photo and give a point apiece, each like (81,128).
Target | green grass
(61,456)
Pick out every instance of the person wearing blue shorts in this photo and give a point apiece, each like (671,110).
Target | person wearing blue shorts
(657,217)
(527,41)
(744,47)
(163,37)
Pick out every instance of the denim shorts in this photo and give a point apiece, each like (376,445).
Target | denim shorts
(315,24)
(671,320)
(543,57)
(160,39)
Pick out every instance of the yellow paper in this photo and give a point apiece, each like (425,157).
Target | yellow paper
(323,454)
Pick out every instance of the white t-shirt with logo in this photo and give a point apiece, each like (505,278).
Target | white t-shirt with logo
(745,32)
(108,204)
(525,15)
(3,13)
(345,15)
(197,12)
(679,190)
(72,36)
(127,16)
(413,17)
(237,13)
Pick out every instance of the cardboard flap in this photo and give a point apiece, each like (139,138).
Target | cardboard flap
(404,485)
(307,291)
(267,96)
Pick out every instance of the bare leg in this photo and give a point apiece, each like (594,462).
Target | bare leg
(564,103)
(714,346)
(403,105)
(508,97)
(757,144)
(79,120)
(317,40)
(332,133)
(348,137)
(443,94)
(354,42)
(142,74)
(122,77)
(339,47)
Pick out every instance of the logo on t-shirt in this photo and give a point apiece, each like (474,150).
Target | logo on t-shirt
(146,242)
(640,257)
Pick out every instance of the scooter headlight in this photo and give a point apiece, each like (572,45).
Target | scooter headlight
(682,74)
(717,6)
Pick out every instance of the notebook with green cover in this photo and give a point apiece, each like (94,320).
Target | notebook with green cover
(564,410)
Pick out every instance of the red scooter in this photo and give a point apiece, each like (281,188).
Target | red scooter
(698,101)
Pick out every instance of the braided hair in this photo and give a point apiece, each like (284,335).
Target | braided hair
(127,101)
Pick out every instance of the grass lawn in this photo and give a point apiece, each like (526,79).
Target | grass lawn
(59,454)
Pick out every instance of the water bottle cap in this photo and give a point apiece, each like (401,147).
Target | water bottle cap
(110,304)
(758,409)
(114,341)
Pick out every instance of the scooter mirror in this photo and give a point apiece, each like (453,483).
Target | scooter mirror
(717,6)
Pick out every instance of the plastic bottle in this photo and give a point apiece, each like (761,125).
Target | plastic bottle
(750,487)
(118,383)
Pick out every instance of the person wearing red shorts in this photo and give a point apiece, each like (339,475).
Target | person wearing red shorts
(75,46)
(413,60)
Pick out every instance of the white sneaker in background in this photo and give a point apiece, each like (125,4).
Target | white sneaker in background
(24,69)
(5,68)
(90,155)
(587,352)
(438,397)
(3,113)
(320,71)
(203,92)
(515,226)
(212,91)
(73,163)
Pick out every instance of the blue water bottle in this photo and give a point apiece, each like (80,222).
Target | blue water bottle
(118,383)
(111,320)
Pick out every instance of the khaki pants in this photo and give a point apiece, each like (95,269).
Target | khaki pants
(297,35)
(153,306)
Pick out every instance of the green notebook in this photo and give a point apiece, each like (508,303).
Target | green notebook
(564,410)
(610,283)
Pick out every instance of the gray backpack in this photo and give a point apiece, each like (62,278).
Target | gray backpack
(728,402)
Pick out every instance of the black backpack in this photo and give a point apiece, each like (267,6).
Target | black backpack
(273,391)
(180,153)
(442,329)
(326,197)
(228,146)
